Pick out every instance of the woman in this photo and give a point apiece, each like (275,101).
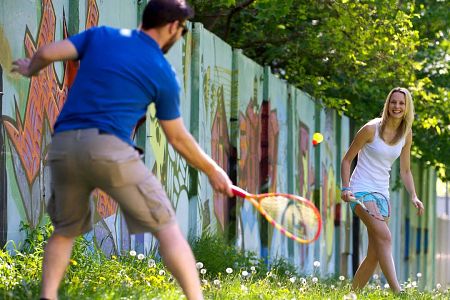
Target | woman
(378,144)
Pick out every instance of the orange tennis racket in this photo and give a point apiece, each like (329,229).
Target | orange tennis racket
(294,216)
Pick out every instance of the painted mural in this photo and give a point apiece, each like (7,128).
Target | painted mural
(3,182)
(28,135)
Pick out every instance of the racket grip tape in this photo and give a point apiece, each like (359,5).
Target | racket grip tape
(237,191)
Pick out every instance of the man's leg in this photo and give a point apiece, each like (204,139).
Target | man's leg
(180,261)
(56,258)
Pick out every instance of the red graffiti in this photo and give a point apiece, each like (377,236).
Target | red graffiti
(45,99)
(250,148)
(269,148)
(220,152)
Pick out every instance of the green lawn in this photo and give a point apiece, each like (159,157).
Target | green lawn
(225,273)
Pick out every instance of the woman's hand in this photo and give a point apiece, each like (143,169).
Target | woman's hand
(347,195)
(418,205)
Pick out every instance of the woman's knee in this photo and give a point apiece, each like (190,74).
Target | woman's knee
(382,237)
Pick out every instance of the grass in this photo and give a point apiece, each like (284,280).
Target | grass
(225,273)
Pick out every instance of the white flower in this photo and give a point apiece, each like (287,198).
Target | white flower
(408,286)
(216,282)
(341,278)
(303,281)
(316,264)
(351,296)
(244,288)
(314,22)
(333,287)
(419,275)
(301,290)
(375,276)
(133,253)
(151,263)
(229,270)
(386,286)
(199,265)
(315,279)
(414,283)
(292,279)
(244,273)
(252,268)
(286,272)
(204,281)
(141,256)
(203,271)
(162,272)
(438,286)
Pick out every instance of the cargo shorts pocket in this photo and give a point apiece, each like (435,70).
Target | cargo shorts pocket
(157,201)
(117,168)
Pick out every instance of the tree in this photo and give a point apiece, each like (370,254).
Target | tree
(350,53)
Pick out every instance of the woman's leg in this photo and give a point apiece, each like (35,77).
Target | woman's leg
(366,268)
(382,244)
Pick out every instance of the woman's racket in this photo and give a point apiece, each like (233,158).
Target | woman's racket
(294,216)
(375,204)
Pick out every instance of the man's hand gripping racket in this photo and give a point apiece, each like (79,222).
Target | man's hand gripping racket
(294,216)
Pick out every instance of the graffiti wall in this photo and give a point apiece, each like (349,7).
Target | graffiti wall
(247,99)
(256,126)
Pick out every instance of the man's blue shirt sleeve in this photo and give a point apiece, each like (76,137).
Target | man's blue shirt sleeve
(81,40)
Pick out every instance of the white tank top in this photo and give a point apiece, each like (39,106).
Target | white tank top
(374,164)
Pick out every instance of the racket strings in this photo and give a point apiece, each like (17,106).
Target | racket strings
(295,216)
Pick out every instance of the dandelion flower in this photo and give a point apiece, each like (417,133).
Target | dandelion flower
(141,256)
(162,272)
(244,273)
(351,296)
(375,276)
(203,271)
(292,279)
(438,286)
(151,263)
(333,287)
(229,270)
(303,281)
(133,253)
(199,265)
(419,275)
(315,279)
(252,268)
(341,278)
(386,286)
(316,264)
(204,281)
(408,286)
(72,262)
(216,282)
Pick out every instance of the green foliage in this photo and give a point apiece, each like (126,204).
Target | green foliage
(350,54)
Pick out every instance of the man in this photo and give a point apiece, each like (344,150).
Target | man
(121,72)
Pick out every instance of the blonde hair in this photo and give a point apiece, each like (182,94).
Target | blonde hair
(408,117)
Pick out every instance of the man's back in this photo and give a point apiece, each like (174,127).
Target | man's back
(121,72)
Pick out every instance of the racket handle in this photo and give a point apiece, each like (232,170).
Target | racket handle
(237,191)
(354,200)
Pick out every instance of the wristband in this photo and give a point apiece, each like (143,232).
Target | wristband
(343,189)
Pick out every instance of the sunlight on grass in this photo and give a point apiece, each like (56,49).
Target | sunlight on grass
(225,274)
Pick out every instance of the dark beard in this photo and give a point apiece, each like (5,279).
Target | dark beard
(166,47)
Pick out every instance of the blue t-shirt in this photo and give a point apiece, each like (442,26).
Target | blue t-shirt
(121,72)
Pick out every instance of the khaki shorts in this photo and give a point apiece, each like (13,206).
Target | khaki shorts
(82,160)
